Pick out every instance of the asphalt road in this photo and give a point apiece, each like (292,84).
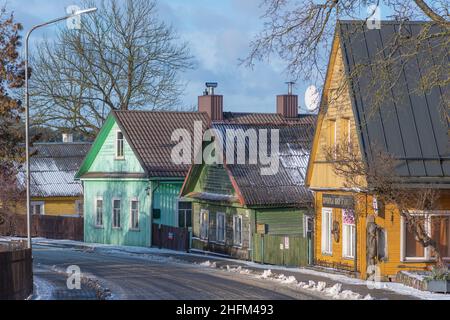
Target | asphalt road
(130,278)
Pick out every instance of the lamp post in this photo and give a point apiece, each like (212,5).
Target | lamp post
(27,111)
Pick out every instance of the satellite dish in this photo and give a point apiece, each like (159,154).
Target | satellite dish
(312,98)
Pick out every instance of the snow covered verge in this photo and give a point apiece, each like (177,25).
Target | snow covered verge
(163,256)
(321,287)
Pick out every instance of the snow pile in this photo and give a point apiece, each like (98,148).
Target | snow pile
(334,292)
(208,264)
(238,270)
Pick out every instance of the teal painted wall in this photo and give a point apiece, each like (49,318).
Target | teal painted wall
(106,162)
(124,190)
(165,197)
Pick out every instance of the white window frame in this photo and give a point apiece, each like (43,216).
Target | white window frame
(326,236)
(184,213)
(237,217)
(116,146)
(427,251)
(204,225)
(33,205)
(113,214)
(96,212)
(224,231)
(345,239)
(135,199)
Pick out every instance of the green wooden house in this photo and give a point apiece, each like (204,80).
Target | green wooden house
(240,212)
(130,182)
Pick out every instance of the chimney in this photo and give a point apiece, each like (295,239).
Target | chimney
(210,103)
(67,137)
(287,105)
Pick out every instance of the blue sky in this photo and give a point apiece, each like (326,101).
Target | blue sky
(219,33)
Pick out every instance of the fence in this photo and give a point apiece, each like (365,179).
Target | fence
(51,227)
(170,237)
(289,251)
(16,275)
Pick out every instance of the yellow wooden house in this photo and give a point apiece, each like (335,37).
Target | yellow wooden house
(54,191)
(412,130)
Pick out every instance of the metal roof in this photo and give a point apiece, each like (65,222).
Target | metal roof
(149,135)
(284,187)
(53,167)
(410,125)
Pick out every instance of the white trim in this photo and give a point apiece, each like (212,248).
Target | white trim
(116,149)
(120,213)
(206,237)
(38,203)
(427,254)
(237,216)
(324,243)
(132,228)
(221,214)
(96,212)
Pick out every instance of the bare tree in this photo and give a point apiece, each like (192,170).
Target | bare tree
(123,57)
(379,179)
(301,33)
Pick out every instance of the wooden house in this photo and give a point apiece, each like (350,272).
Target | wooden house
(130,182)
(411,129)
(240,212)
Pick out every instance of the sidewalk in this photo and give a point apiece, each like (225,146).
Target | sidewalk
(284,275)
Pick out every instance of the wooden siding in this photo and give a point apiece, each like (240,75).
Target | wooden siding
(214,179)
(241,252)
(54,206)
(106,161)
(267,250)
(337,112)
(281,221)
(165,198)
(125,191)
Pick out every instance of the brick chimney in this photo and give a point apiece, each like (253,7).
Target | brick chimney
(210,103)
(287,105)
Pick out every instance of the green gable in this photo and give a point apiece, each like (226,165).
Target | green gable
(101,157)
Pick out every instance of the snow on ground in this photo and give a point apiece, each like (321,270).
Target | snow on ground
(152,254)
(43,290)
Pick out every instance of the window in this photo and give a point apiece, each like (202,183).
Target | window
(99,212)
(348,233)
(204,224)
(327,244)
(237,230)
(134,212)
(116,213)
(119,145)
(184,214)
(332,135)
(79,207)
(346,133)
(37,208)
(437,226)
(220,227)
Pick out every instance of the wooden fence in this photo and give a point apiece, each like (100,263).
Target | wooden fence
(289,250)
(16,274)
(170,237)
(50,227)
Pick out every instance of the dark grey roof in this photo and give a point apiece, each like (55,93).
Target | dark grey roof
(285,187)
(149,135)
(265,118)
(53,167)
(410,125)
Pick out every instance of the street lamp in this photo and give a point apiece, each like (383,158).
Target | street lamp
(27,111)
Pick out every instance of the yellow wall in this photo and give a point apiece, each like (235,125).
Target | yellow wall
(56,206)
(391,223)
(337,111)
